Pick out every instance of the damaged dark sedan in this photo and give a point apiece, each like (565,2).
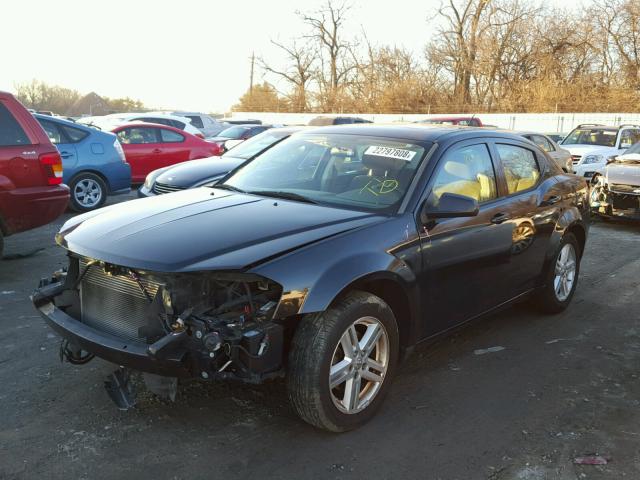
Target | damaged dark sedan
(323,260)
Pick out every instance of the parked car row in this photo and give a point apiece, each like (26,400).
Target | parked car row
(104,156)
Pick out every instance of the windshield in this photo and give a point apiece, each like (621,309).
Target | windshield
(250,148)
(233,132)
(362,173)
(605,137)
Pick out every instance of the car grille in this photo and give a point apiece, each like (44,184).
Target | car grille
(160,188)
(627,189)
(115,304)
(575,159)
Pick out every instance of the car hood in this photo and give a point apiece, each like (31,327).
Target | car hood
(624,173)
(580,149)
(203,229)
(194,172)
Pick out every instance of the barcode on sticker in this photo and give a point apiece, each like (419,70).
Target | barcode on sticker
(389,152)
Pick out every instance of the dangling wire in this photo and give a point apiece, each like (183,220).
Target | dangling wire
(70,356)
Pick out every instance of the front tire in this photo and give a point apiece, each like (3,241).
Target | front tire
(342,361)
(88,192)
(562,277)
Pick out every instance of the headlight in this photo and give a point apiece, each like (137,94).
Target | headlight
(151,178)
(592,159)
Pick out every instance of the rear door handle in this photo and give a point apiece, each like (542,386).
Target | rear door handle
(500,218)
(553,199)
(66,154)
(156,150)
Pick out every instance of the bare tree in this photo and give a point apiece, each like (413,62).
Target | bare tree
(459,41)
(298,73)
(334,50)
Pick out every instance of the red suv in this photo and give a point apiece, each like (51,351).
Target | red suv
(31,190)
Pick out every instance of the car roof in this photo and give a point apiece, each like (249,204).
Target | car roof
(148,115)
(444,119)
(414,131)
(150,124)
(64,121)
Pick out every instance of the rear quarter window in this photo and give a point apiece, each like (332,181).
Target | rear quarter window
(74,135)
(11,133)
(196,121)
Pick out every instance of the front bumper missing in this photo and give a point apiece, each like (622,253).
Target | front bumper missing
(173,355)
(108,347)
(612,203)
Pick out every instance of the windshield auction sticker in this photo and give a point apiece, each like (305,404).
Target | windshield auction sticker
(389,152)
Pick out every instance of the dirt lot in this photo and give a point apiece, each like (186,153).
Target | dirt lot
(563,386)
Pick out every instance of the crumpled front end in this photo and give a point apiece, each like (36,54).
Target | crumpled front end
(212,325)
(613,199)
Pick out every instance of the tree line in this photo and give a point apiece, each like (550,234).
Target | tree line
(41,96)
(483,56)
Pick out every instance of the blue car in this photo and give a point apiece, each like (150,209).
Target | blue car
(93,162)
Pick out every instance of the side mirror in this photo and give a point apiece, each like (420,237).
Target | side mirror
(611,159)
(450,205)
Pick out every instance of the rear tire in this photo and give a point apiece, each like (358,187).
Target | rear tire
(88,192)
(337,382)
(562,277)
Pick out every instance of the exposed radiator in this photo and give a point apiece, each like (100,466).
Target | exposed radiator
(114,304)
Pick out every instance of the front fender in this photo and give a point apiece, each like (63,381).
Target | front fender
(312,277)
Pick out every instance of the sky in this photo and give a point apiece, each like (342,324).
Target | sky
(188,54)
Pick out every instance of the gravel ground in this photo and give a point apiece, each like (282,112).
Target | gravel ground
(563,386)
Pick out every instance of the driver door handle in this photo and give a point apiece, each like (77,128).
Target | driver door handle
(156,150)
(500,218)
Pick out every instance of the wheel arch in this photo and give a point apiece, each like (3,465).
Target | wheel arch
(393,292)
(578,230)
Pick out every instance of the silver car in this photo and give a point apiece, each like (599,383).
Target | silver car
(208,125)
(616,189)
(559,155)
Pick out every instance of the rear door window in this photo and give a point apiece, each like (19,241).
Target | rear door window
(521,170)
(11,133)
(169,136)
(542,142)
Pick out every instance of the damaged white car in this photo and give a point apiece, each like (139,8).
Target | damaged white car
(616,192)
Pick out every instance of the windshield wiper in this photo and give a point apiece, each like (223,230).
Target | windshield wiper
(225,186)
(283,195)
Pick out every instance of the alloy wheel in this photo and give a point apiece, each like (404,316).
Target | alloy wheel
(565,272)
(359,365)
(87,193)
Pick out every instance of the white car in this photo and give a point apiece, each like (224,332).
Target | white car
(208,125)
(109,122)
(592,146)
